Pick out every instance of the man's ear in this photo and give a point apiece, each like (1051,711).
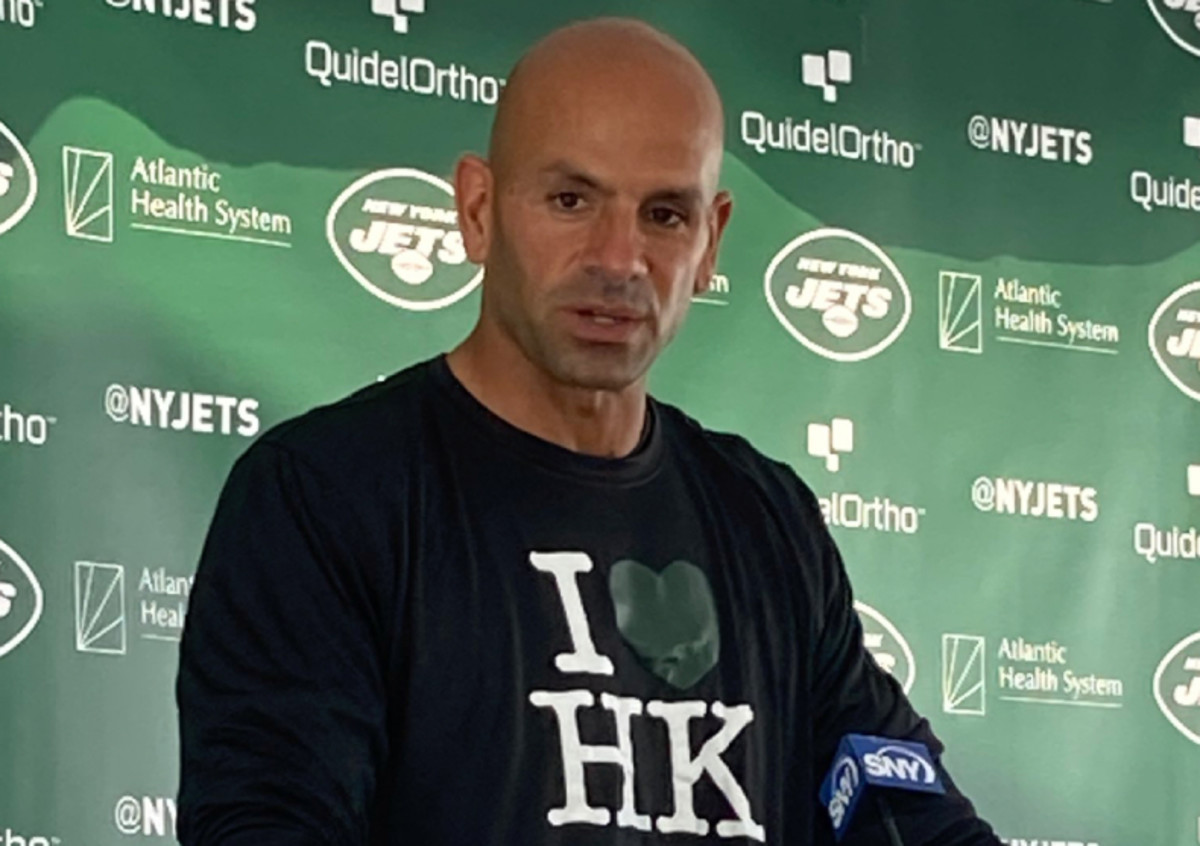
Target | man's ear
(473,198)
(718,217)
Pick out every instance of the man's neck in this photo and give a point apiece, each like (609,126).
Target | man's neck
(507,383)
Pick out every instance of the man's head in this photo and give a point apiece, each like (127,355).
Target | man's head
(596,215)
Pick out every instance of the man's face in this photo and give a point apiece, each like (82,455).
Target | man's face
(604,225)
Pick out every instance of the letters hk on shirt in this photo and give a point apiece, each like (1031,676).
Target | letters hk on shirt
(686,768)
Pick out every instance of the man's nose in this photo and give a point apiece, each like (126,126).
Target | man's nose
(617,243)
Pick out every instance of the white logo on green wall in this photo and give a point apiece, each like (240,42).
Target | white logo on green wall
(1175,338)
(396,232)
(838,294)
(1180,19)
(1177,687)
(887,646)
(21,599)
(18,180)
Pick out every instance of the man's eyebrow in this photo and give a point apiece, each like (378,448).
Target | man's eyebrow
(571,173)
(687,195)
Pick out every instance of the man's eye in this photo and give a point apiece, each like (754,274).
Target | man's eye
(666,216)
(567,200)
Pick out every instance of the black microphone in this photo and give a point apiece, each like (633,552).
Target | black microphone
(867,764)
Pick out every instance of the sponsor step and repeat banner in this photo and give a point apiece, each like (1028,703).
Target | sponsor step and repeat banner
(960,295)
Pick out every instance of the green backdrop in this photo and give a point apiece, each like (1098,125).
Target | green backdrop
(958,295)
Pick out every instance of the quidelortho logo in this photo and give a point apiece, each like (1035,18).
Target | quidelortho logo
(825,72)
(182,411)
(1180,19)
(1155,543)
(1175,338)
(18,180)
(145,816)
(223,14)
(1030,140)
(838,294)
(1026,672)
(21,599)
(399,11)
(24,428)
(8,837)
(887,646)
(1019,313)
(1191,132)
(1025,498)
(164,197)
(396,233)
(1177,687)
(852,509)
(830,441)
(22,13)
(1152,192)
(101,621)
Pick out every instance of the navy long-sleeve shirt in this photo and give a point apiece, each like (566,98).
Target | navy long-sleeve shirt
(416,624)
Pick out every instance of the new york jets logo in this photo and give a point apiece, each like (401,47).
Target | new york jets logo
(18,180)
(21,599)
(887,646)
(1175,338)
(838,294)
(1177,687)
(396,233)
(1180,19)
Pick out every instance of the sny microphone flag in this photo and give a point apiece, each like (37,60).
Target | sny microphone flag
(864,761)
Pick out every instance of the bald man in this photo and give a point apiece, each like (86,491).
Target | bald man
(505,597)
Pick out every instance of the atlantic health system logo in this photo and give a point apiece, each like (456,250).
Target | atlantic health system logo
(396,233)
(18,180)
(1038,314)
(838,294)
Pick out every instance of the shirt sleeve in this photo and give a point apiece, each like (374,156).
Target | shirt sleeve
(281,694)
(853,695)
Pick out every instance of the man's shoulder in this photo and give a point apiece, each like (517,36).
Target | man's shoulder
(371,429)
(730,453)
